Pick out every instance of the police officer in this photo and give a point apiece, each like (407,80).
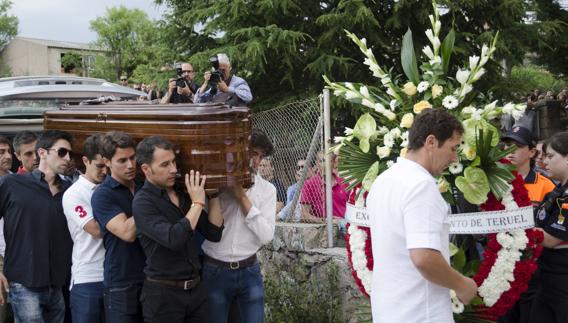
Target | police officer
(551,300)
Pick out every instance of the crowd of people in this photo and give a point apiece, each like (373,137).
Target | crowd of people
(128,251)
(539,96)
(224,87)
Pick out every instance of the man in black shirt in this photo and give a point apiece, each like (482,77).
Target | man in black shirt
(166,220)
(38,244)
(185,90)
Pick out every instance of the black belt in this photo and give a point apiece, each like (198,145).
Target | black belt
(184,284)
(233,264)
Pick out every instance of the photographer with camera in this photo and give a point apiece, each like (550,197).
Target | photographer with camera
(182,88)
(221,86)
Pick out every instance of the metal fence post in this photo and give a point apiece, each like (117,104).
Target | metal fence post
(328,157)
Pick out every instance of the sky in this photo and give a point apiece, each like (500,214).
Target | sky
(68,20)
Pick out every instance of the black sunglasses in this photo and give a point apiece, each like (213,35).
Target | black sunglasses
(62,152)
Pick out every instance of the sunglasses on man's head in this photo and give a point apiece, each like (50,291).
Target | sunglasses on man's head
(62,152)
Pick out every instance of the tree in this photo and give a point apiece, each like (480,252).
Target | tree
(128,35)
(283,47)
(552,47)
(8,30)
(71,61)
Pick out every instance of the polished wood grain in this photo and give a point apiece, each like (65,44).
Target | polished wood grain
(211,138)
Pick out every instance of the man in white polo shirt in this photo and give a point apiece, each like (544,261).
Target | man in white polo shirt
(409,229)
(86,299)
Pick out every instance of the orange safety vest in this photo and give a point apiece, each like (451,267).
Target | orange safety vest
(538,186)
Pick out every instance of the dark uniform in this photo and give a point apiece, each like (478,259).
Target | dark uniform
(551,300)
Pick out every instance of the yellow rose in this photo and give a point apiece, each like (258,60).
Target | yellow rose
(403,152)
(443,185)
(436,90)
(407,120)
(409,88)
(418,107)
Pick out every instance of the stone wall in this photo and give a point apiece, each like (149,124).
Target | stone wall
(305,281)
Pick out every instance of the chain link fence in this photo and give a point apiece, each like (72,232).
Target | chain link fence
(296,131)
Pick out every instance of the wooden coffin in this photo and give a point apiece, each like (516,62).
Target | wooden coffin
(211,138)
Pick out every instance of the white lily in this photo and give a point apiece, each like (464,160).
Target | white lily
(478,74)
(428,52)
(364,91)
(462,76)
(473,60)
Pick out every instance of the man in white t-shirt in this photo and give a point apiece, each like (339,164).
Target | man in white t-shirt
(86,299)
(409,229)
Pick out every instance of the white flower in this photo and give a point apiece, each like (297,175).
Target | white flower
(404,138)
(382,130)
(393,104)
(367,62)
(428,52)
(383,152)
(351,95)
(484,55)
(435,60)
(490,107)
(422,86)
(462,76)
(508,108)
(348,131)
(364,41)
(389,114)
(349,85)
(338,139)
(477,114)
(478,74)
(378,107)
(465,90)
(388,140)
(457,305)
(456,168)
(386,80)
(437,27)
(337,92)
(391,92)
(364,91)
(450,102)
(436,43)
(390,163)
(430,35)
(473,60)
(368,103)
(517,114)
(369,53)
(468,110)
(395,133)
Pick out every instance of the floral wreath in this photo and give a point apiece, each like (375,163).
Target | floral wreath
(481,175)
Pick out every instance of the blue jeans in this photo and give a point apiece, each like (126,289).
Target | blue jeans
(86,303)
(122,304)
(244,286)
(31,305)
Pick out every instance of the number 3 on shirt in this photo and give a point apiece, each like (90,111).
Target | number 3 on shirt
(82,213)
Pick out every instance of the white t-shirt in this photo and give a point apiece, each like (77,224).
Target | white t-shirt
(88,252)
(407,212)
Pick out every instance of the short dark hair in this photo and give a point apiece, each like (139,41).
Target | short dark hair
(437,122)
(113,140)
(4,140)
(145,148)
(259,139)
(92,146)
(559,142)
(49,137)
(23,138)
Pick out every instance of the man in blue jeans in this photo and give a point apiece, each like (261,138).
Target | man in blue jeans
(86,299)
(231,270)
(38,244)
(112,208)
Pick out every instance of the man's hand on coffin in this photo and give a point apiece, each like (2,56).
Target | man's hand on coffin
(195,186)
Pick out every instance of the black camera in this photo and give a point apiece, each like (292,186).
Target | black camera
(180,81)
(216,75)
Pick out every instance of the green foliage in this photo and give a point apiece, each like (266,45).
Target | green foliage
(408,58)
(130,38)
(71,61)
(8,23)
(524,79)
(311,301)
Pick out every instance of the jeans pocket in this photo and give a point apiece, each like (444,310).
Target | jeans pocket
(210,272)
(255,270)
(123,299)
